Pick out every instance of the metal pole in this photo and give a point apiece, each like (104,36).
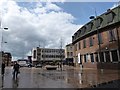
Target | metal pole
(99,46)
(1,45)
(61,53)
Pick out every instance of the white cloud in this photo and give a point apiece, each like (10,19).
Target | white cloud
(45,26)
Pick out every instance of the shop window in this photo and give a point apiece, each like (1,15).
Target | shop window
(92,57)
(114,56)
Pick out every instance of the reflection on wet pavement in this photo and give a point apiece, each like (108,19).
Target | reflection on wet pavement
(68,78)
(15,82)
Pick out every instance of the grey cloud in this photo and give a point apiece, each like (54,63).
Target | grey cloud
(28,30)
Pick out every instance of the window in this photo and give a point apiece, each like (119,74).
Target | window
(89,26)
(79,46)
(68,54)
(92,57)
(111,35)
(71,54)
(70,47)
(84,43)
(75,47)
(100,41)
(98,22)
(34,53)
(91,41)
(85,60)
(110,16)
(78,33)
(83,30)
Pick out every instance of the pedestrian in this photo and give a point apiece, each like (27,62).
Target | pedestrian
(16,70)
(3,68)
(58,64)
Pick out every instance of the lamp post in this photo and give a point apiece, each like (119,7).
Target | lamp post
(99,46)
(2,41)
(61,54)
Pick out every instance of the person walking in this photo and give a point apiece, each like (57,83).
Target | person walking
(3,68)
(16,70)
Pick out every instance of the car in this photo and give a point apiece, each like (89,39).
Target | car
(30,65)
(38,65)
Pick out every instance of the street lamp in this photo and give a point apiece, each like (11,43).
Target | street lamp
(2,41)
(98,36)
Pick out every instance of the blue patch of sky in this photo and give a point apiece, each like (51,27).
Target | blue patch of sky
(83,10)
(80,10)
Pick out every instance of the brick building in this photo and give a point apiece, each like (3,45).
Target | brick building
(6,57)
(69,54)
(97,43)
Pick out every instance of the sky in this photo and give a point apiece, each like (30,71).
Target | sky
(44,24)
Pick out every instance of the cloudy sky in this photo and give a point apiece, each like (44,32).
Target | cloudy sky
(43,23)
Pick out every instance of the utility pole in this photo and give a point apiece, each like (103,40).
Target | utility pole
(61,54)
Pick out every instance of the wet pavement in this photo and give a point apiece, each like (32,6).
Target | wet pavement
(69,77)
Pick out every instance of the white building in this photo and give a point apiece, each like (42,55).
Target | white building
(69,54)
(47,55)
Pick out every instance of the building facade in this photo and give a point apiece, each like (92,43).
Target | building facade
(97,43)
(47,55)
(69,54)
(6,57)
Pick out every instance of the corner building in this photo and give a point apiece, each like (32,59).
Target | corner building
(44,55)
(97,43)
(69,54)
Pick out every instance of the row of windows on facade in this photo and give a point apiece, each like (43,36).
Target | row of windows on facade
(111,36)
(51,56)
(69,53)
(105,57)
(109,16)
(49,51)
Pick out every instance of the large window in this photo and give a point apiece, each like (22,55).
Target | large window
(79,46)
(91,41)
(111,34)
(92,57)
(84,43)
(107,55)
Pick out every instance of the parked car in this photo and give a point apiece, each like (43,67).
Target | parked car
(30,65)
(38,65)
